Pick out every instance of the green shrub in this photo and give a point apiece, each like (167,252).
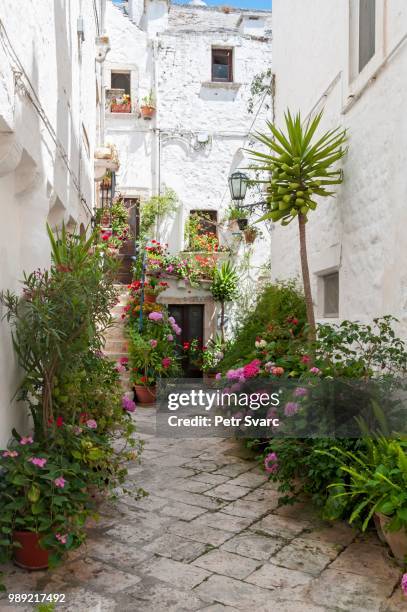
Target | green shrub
(274,305)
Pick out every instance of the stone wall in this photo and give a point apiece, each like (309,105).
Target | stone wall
(361,231)
(47,113)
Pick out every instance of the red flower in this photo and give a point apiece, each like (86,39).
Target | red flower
(305,359)
(60,421)
(143,379)
(166,362)
(186,346)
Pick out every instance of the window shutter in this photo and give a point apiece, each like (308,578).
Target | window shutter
(367,31)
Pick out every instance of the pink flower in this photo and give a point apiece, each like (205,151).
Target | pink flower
(277,371)
(9,453)
(291,408)
(166,362)
(26,440)
(235,374)
(155,316)
(60,482)
(153,343)
(91,423)
(176,329)
(218,376)
(128,404)
(120,368)
(404,584)
(170,269)
(124,360)
(271,463)
(61,538)
(315,370)
(305,359)
(171,320)
(170,338)
(300,392)
(38,461)
(77,430)
(269,366)
(251,369)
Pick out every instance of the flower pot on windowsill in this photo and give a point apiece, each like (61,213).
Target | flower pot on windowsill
(120,108)
(145,396)
(396,540)
(147,112)
(29,555)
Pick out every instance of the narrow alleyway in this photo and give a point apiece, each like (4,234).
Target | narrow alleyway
(210,537)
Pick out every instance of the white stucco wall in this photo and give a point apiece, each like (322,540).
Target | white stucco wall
(35,183)
(361,231)
(176,65)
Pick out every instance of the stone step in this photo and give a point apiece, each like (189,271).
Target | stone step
(116,346)
(118,332)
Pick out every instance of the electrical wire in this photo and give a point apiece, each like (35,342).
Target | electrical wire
(33,97)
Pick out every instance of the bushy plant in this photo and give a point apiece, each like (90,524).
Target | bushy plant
(274,305)
(224,289)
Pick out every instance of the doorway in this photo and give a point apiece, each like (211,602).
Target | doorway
(128,249)
(190,317)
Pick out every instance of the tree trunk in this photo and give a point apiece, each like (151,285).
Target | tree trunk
(222,321)
(305,277)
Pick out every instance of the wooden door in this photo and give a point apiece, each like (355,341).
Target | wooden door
(190,317)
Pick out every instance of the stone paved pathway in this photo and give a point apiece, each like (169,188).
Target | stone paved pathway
(211,537)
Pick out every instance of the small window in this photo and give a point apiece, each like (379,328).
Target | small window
(331,294)
(222,65)
(367,31)
(121,80)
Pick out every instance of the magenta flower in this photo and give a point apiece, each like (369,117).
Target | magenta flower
(26,440)
(120,368)
(176,329)
(235,374)
(252,369)
(61,538)
(305,359)
(91,423)
(60,482)
(155,316)
(218,376)
(315,370)
(404,584)
(170,269)
(166,362)
(38,461)
(271,463)
(171,320)
(128,404)
(300,392)
(170,338)
(153,343)
(9,453)
(291,408)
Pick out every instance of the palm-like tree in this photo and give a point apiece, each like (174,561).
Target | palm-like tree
(300,168)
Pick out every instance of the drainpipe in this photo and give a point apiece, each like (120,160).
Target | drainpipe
(156,186)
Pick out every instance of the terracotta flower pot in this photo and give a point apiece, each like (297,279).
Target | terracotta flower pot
(120,108)
(150,298)
(29,556)
(145,395)
(249,235)
(397,540)
(147,112)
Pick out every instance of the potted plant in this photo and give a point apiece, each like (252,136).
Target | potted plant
(152,354)
(44,504)
(147,106)
(237,216)
(213,354)
(224,289)
(121,105)
(250,234)
(375,481)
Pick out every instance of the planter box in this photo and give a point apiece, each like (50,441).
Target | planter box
(120,108)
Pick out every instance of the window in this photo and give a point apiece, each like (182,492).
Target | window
(121,80)
(222,67)
(207,221)
(367,31)
(331,294)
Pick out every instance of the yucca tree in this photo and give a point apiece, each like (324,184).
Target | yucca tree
(301,166)
(224,289)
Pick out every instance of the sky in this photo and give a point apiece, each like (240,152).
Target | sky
(249,4)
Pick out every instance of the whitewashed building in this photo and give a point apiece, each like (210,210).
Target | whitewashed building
(50,102)
(350,59)
(198,63)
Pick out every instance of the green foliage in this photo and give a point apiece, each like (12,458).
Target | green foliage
(300,166)
(225,282)
(235,212)
(156,207)
(61,316)
(261,86)
(374,479)
(149,100)
(274,305)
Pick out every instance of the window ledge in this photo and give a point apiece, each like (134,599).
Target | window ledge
(221,85)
